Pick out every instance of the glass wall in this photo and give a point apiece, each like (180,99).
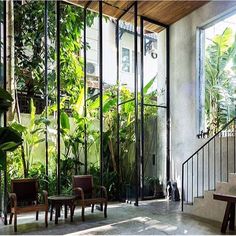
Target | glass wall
(79,99)
(126,106)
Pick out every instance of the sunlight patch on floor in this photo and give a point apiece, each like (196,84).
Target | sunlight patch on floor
(137,224)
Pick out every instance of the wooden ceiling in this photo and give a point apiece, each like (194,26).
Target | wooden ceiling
(166,12)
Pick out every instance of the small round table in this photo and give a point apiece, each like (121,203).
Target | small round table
(58,201)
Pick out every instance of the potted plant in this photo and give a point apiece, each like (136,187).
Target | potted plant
(153,188)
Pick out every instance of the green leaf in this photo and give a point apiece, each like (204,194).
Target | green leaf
(65,122)
(18,127)
(39,141)
(109,104)
(5,95)
(42,120)
(9,135)
(149,85)
(94,105)
(2,160)
(79,105)
(32,112)
(5,100)
(9,146)
(36,131)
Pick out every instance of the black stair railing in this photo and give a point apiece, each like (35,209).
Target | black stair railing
(212,162)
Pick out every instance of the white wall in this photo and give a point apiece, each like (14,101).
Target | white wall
(109,55)
(183,96)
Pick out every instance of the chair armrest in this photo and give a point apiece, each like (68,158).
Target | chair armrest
(13,199)
(103,190)
(45,196)
(80,190)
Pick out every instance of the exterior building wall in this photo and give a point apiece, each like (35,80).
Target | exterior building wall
(109,54)
(183,82)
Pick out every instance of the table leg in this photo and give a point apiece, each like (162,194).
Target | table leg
(57,214)
(65,211)
(232,216)
(226,217)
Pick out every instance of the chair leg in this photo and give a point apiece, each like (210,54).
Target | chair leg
(37,215)
(46,218)
(15,222)
(51,212)
(10,220)
(65,211)
(92,209)
(83,213)
(71,212)
(101,206)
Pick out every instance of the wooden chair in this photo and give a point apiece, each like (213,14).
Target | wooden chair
(87,195)
(24,198)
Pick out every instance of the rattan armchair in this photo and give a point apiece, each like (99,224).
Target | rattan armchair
(24,198)
(88,195)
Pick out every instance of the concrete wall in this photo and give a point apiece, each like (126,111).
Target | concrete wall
(183,82)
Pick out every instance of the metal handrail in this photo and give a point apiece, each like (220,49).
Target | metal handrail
(208,157)
(225,126)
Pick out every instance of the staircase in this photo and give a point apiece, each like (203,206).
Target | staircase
(210,169)
(206,207)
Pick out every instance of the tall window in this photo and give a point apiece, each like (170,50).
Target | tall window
(217,74)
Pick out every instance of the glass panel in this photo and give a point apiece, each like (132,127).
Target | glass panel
(72,95)
(127,107)
(217,84)
(126,43)
(29,160)
(127,151)
(93,94)
(154,65)
(154,117)
(110,167)
(1,85)
(52,100)
(154,152)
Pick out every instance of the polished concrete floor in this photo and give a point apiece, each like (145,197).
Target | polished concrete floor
(151,217)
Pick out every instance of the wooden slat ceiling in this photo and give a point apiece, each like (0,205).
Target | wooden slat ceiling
(166,12)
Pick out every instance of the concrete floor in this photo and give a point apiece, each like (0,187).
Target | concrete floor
(151,217)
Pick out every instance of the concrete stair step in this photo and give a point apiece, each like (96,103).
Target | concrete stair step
(222,187)
(232,178)
(208,195)
(207,207)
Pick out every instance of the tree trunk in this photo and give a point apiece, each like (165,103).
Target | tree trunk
(10,57)
(112,155)
(24,161)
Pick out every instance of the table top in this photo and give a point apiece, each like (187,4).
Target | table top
(61,197)
(224,197)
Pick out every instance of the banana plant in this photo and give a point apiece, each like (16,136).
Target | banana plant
(32,136)
(220,79)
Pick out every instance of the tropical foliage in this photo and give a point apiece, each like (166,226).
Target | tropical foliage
(220,80)
(9,138)
(29,76)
